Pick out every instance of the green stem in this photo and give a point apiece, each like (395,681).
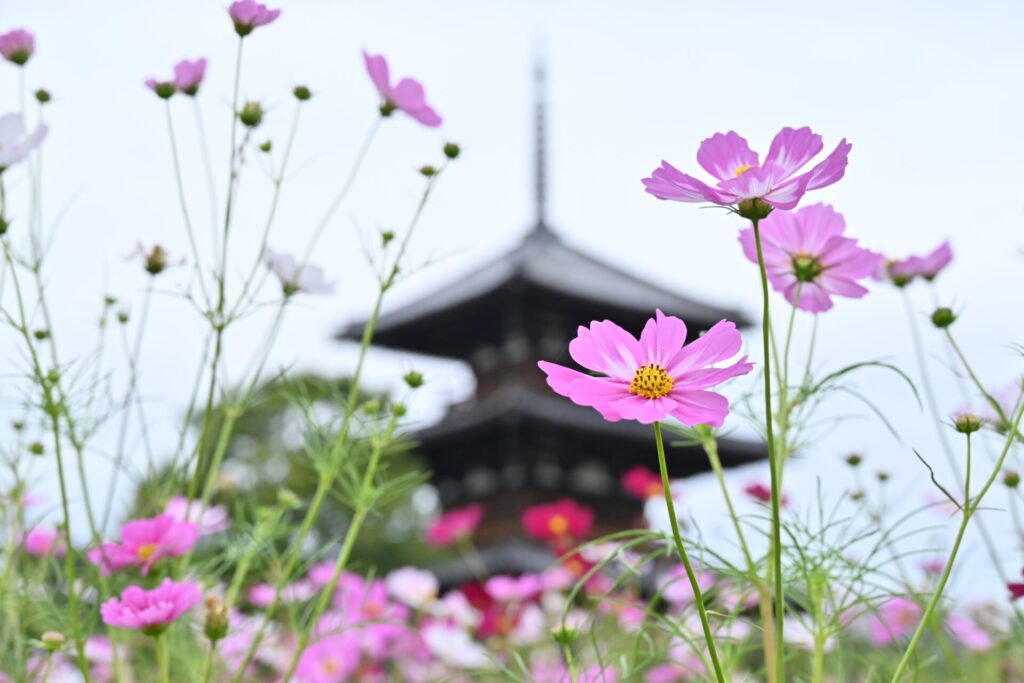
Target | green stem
(163,658)
(968,510)
(694,585)
(776,537)
(208,667)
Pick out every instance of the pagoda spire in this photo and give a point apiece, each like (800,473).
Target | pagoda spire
(540,143)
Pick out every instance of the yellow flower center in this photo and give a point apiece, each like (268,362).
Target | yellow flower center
(330,666)
(742,169)
(147,550)
(558,525)
(651,381)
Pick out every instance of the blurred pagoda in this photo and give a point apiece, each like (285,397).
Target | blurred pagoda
(515,443)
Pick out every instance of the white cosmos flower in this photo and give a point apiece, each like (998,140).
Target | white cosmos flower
(296,277)
(456,648)
(15,142)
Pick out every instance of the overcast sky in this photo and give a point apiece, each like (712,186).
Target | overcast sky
(926,92)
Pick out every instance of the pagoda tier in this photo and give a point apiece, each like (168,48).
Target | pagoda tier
(530,301)
(521,446)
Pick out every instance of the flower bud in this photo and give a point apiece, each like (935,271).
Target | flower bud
(156,260)
(967,423)
(36,448)
(53,640)
(399,409)
(266,146)
(564,634)
(943,317)
(164,90)
(122,316)
(42,96)
(853,459)
(371,407)
(1011,478)
(302,93)
(109,300)
(387,109)
(428,171)
(386,237)
(251,114)
(451,150)
(216,626)
(882,476)
(856,495)
(754,209)
(18,425)
(287,498)
(413,379)
(4,224)
(41,334)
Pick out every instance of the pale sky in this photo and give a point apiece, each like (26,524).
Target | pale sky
(926,92)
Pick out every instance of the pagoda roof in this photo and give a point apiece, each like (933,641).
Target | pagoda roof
(545,262)
(516,403)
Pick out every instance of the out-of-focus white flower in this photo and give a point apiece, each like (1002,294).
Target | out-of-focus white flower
(530,627)
(296,277)
(455,607)
(210,521)
(455,647)
(16,143)
(415,587)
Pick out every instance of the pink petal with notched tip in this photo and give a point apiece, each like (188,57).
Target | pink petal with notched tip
(661,338)
(723,154)
(700,407)
(792,148)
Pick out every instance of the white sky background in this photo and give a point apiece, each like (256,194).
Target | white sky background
(927,93)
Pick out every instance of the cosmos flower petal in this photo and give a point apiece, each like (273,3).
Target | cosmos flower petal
(792,148)
(700,407)
(644,410)
(668,182)
(377,68)
(832,169)
(724,155)
(607,348)
(721,342)
(662,337)
(709,377)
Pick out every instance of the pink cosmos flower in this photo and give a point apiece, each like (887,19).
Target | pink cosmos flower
(642,483)
(903,272)
(456,525)
(16,143)
(894,619)
(151,610)
(675,586)
(742,177)
(415,587)
(209,521)
(188,75)
(330,660)
(805,252)
(143,542)
(40,542)
(967,632)
(17,46)
(653,378)
(557,521)
(249,14)
(514,588)
(762,494)
(407,95)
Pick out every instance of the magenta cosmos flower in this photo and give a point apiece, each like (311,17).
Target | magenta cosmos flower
(458,524)
(407,95)
(143,542)
(151,610)
(41,542)
(653,378)
(249,14)
(17,46)
(805,253)
(895,619)
(558,521)
(741,175)
(904,271)
(188,75)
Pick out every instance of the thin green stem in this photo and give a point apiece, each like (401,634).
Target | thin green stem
(969,507)
(694,584)
(774,466)
(163,658)
(208,666)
